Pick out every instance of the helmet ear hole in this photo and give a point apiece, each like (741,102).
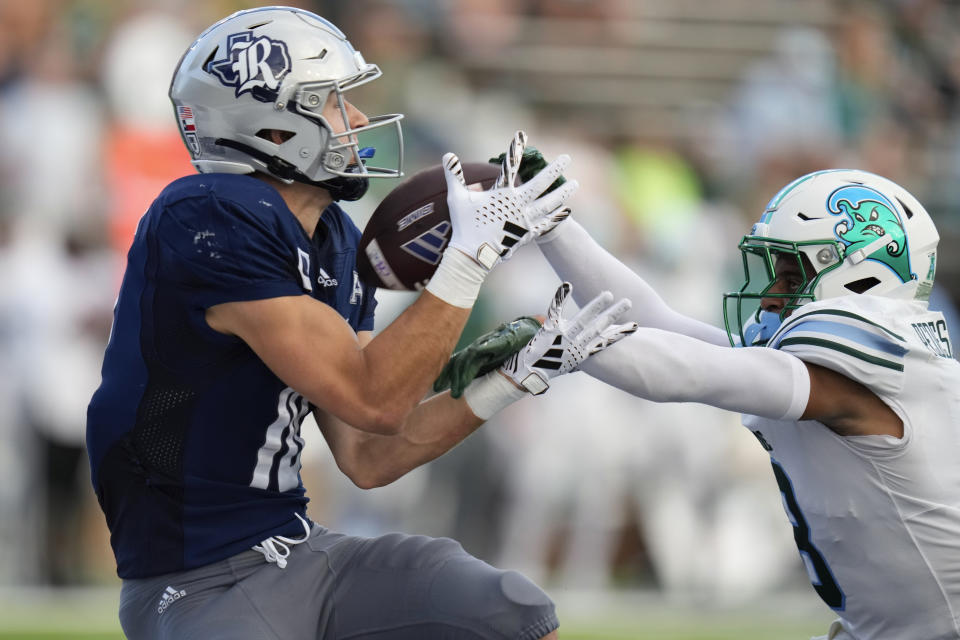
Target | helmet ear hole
(273,135)
(210,58)
(862,285)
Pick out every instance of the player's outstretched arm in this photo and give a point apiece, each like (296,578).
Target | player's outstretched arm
(663,366)
(578,258)
(439,423)
(668,367)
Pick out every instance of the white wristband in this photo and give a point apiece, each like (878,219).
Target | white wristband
(457,279)
(490,393)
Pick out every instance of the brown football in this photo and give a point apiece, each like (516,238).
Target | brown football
(402,242)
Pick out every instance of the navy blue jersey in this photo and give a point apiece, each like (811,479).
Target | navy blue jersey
(194,443)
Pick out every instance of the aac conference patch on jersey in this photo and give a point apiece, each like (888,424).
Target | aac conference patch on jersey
(253,65)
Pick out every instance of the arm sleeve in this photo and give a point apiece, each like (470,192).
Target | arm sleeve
(577,258)
(669,367)
(218,251)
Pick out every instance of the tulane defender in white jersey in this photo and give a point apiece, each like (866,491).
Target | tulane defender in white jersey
(847,380)
(876,517)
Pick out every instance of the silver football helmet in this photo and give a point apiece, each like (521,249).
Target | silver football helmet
(850,232)
(274,69)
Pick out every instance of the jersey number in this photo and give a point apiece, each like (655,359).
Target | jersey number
(820,574)
(278,460)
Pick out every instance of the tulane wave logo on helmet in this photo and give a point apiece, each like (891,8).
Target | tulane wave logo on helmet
(252,65)
(866,216)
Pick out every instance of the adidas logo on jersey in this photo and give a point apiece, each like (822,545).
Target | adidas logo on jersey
(170,595)
(325,280)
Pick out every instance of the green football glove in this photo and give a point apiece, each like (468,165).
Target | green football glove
(485,354)
(531,163)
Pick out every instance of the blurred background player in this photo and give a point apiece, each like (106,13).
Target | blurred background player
(241,312)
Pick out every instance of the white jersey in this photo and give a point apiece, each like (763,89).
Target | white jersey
(877,518)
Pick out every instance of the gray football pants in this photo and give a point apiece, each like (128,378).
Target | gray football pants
(338,587)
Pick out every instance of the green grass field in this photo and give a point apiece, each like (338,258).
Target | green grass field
(90,614)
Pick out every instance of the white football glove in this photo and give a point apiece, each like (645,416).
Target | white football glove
(562,344)
(490,225)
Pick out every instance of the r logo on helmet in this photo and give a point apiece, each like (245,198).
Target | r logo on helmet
(254,66)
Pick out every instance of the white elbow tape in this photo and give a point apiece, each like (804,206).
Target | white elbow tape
(490,393)
(457,279)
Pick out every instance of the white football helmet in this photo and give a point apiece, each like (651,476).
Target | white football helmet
(274,68)
(851,232)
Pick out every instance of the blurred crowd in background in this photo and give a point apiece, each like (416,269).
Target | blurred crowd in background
(683,118)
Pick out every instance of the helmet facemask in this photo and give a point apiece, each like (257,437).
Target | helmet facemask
(773,270)
(349,153)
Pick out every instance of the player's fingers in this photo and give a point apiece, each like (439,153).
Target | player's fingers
(539,183)
(556,305)
(612,334)
(511,161)
(614,311)
(462,379)
(554,199)
(594,308)
(608,316)
(558,215)
(458,376)
(452,171)
(590,320)
(549,221)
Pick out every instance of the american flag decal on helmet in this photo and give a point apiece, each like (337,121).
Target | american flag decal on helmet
(188,127)
(186,119)
(429,245)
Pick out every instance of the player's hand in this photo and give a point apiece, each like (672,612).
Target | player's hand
(490,225)
(532,162)
(485,354)
(562,344)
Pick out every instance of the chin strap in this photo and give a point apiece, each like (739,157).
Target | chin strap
(340,188)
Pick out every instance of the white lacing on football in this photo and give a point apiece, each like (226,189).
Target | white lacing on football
(277,548)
